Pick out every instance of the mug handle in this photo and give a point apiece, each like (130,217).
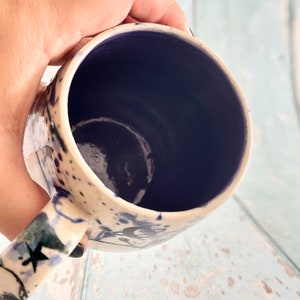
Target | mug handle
(41,246)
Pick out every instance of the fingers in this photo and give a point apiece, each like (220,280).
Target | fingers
(89,18)
(60,60)
(166,12)
(80,248)
(54,29)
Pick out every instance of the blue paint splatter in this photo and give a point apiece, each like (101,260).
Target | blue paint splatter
(54,260)
(159,217)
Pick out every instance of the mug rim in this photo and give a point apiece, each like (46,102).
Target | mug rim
(70,69)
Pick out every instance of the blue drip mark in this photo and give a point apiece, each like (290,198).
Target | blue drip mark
(159,217)
(56,201)
(55,260)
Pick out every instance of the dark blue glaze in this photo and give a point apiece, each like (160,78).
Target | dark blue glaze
(178,100)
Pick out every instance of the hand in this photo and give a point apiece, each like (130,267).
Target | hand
(34,34)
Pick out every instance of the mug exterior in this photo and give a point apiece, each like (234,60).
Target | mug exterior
(81,202)
(115,224)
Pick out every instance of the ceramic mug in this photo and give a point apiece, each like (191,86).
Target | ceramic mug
(139,136)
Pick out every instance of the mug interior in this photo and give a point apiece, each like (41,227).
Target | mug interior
(157,120)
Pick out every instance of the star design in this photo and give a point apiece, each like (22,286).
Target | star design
(35,256)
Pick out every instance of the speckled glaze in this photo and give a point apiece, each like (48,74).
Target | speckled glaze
(81,202)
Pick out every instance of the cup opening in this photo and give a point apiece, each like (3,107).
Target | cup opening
(157,120)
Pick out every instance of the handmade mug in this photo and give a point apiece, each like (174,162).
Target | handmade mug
(139,136)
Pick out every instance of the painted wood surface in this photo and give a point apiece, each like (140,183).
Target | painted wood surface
(250,247)
(258,42)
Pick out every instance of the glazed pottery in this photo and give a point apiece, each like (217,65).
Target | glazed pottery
(139,136)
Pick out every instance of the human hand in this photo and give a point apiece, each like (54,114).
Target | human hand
(34,34)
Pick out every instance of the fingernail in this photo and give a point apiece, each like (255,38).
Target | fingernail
(191,31)
(77,252)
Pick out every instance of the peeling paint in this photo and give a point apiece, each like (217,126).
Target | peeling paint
(175,287)
(278,280)
(226,250)
(267,289)
(289,271)
(191,291)
(230,281)
(164,282)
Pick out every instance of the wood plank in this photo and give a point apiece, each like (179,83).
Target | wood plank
(295,43)
(223,257)
(252,38)
(65,283)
